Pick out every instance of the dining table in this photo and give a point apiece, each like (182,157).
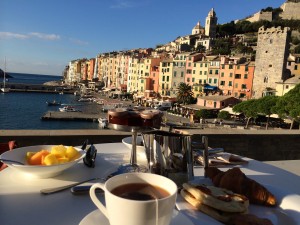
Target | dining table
(21,202)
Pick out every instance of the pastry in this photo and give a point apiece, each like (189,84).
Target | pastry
(218,198)
(210,211)
(235,180)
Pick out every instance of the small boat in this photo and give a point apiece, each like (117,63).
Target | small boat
(85,99)
(68,109)
(103,122)
(5,89)
(53,103)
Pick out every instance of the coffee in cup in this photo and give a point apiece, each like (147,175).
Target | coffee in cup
(137,199)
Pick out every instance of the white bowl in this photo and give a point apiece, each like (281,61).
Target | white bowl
(36,171)
(139,143)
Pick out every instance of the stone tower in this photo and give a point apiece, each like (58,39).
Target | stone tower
(211,24)
(271,60)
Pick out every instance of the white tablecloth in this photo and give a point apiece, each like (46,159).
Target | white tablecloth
(22,204)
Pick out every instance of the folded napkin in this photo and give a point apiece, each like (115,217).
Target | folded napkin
(222,158)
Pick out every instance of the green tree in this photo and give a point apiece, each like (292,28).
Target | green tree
(222,46)
(224,115)
(185,94)
(265,106)
(248,108)
(203,113)
(288,105)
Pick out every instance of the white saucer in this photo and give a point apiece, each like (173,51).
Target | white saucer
(96,217)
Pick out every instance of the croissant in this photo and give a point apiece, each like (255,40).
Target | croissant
(235,180)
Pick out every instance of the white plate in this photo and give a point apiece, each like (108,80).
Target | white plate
(287,211)
(37,171)
(96,217)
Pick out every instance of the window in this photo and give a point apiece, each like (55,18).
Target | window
(205,72)
(223,66)
(246,68)
(245,76)
(193,80)
(209,80)
(216,72)
(237,76)
(201,65)
(210,72)
(182,74)
(200,72)
(230,66)
(189,64)
(167,78)
(188,79)
(238,67)
(163,78)
(200,81)
(222,74)
(230,84)
(236,85)
(286,86)
(230,75)
(296,67)
(222,82)
(194,71)
(175,73)
(215,81)
(244,86)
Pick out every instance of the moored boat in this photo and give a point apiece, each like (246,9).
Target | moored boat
(68,109)
(4,89)
(53,103)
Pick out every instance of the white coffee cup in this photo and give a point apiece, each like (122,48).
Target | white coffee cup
(123,211)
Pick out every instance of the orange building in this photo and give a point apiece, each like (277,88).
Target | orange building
(91,67)
(236,77)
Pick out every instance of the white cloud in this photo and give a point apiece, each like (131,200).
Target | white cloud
(78,42)
(50,37)
(10,35)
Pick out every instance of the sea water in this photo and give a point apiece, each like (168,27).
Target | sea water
(23,110)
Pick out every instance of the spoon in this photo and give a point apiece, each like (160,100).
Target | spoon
(11,161)
(47,191)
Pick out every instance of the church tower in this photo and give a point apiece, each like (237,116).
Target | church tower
(211,24)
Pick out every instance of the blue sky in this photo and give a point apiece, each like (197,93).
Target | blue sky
(42,36)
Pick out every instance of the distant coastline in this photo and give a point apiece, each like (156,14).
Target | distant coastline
(6,74)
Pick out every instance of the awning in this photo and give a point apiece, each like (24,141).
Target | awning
(230,111)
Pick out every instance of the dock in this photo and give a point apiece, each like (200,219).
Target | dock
(56,115)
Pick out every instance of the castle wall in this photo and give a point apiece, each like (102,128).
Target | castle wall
(291,10)
(271,58)
(260,16)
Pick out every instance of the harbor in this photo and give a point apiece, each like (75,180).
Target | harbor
(57,115)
